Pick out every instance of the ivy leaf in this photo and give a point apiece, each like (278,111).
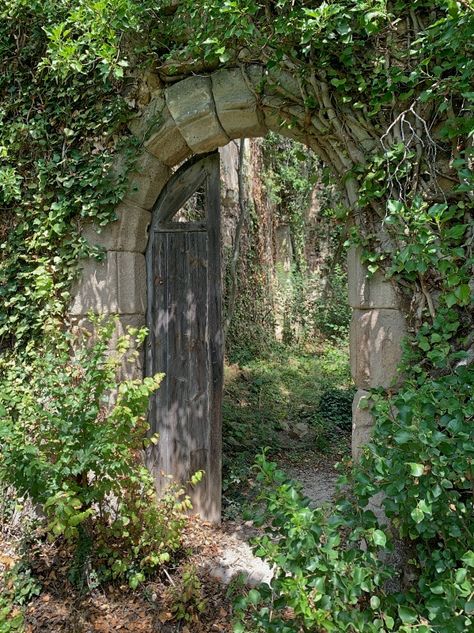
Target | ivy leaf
(417,515)
(407,615)
(379,538)
(468,558)
(416,470)
(403,437)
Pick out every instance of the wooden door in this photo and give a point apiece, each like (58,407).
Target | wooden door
(185,339)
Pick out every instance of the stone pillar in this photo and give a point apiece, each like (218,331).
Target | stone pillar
(116,285)
(376,332)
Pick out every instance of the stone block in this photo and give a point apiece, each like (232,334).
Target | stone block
(362,423)
(146,181)
(375,346)
(127,233)
(150,119)
(368,291)
(236,104)
(166,143)
(132,364)
(191,104)
(116,285)
(96,288)
(131,283)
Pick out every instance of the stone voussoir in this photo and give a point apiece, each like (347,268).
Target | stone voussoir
(127,233)
(375,346)
(146,181)
(167,143)
(236,104)
(150,119)
(191,104)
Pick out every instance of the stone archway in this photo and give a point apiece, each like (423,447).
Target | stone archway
(197,115)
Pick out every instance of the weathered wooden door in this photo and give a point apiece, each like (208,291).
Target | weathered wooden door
(185,335)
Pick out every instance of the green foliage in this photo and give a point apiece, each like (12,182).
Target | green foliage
(17,587)
(330,313)
(267,394)
(61,116)
(335,406)
(11,618)
(323,579)
(290,173)
(72,446)
(421,457)
(251,330)
(396,73)
(312,296)
(187,600)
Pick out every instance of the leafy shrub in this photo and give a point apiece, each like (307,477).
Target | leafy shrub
(17,587)
(72,443)
(335,408)
(325,581)
(187,600)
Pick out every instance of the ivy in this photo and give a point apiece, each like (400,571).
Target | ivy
(61,121)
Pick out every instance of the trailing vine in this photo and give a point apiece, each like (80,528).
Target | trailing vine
(61,125)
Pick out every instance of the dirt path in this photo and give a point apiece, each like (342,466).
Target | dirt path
(315,471)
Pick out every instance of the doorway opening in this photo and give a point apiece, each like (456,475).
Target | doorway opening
(260,217)
(287,380)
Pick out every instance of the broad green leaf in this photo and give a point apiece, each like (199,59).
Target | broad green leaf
(407,615)
(416,470)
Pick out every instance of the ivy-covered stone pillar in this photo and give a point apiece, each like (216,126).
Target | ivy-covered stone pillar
(376,332)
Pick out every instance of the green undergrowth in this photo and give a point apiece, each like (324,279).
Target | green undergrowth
(71,442)
(267,400)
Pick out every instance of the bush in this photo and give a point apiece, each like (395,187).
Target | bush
(335,408)
(325,581)
(72,442)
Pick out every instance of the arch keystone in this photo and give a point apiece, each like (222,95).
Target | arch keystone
(191,104)
(236,105)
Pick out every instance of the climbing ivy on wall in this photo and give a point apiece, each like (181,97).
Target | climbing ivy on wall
(62,119)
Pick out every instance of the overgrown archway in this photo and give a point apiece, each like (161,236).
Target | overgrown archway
(194,116)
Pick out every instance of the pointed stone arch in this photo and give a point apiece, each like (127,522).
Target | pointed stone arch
(198,115)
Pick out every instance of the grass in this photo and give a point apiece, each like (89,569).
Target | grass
(264,396)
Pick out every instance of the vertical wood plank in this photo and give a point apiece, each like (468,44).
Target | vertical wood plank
(185,341)
(216,342)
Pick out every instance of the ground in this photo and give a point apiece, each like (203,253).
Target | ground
(279,398)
